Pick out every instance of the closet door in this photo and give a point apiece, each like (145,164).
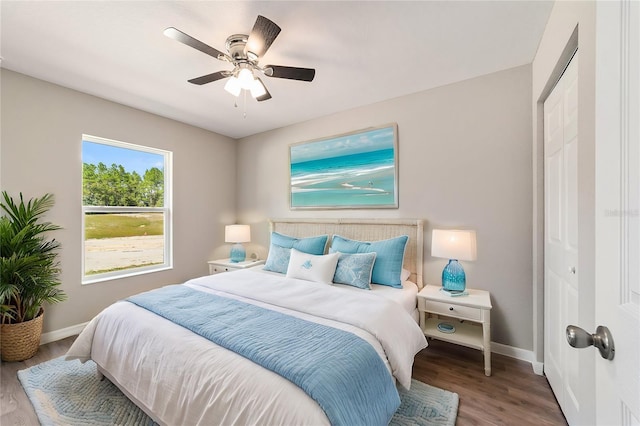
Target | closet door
(562,365)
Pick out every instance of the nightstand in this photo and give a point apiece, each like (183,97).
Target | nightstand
(470,315)
(226,265)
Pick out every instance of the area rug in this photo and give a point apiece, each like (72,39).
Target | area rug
(70,393)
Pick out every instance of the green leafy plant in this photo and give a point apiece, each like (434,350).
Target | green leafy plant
(29,267)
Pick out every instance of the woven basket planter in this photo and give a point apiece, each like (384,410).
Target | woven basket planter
(21,341)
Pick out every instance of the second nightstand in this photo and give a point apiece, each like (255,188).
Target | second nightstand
(470,315)
(225,265)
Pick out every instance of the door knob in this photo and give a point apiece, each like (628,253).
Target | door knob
(601,339)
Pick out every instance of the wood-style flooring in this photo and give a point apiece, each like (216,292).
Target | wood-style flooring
(513,395)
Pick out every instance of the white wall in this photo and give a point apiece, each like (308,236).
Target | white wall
(40,152)
(465,161)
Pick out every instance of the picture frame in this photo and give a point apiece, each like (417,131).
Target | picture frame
(355,170)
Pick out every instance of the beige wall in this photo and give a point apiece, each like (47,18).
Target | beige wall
(42,127)
(464,158)
(464,161)
(570,25)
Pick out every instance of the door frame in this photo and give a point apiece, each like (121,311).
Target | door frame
(538,201)
(571,25)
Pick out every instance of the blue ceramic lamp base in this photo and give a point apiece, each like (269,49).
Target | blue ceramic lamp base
(238,253)
(454,279)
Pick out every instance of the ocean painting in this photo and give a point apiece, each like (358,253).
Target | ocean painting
(356,170)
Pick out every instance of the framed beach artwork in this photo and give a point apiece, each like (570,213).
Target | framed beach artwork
(349,171)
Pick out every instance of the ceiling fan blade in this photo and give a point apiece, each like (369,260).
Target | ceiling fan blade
(196,44)
(262,35)
(210,77)
(266,95)
(292,73)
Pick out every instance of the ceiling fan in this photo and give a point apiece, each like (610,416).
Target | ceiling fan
(244,52)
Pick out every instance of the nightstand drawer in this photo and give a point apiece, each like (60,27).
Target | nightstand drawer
(225,265)
(216,269)
(450,309)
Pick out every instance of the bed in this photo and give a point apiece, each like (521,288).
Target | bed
(262,347)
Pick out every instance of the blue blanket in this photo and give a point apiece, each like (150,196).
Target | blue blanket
(339,370)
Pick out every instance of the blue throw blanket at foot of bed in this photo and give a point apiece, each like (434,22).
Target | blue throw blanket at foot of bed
(339,370)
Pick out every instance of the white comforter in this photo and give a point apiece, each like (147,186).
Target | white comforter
(180,378)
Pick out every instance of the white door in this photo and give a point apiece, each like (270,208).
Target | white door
(562,365)
(618,209)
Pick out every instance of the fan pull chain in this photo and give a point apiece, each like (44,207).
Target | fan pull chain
(244,103)
(244,113)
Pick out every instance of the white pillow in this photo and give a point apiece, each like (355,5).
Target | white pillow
(312,267)
(404,275)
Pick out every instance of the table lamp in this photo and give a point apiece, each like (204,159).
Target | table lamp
(237,234)
(453,245)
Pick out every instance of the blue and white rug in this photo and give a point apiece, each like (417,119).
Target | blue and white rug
(70,393)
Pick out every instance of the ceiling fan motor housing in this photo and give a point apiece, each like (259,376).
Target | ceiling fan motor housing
(235,46)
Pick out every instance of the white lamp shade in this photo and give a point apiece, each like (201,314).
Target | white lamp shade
(233,86)
(237,233)
(257,88)
(454,244)
(245,78)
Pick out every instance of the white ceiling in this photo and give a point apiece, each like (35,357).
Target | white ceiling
(363,52)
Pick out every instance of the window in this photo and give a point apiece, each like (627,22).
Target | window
(126,204)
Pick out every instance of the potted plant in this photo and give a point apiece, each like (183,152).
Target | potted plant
(29,272)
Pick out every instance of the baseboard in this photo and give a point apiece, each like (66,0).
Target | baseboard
(63,333)
(518,353)
(538,367)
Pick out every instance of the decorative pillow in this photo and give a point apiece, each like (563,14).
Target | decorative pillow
(389,257)
(280,248)
(355,269)
(278,259)
(312,267)
(311,245)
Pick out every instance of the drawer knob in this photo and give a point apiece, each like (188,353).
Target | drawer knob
(451,308)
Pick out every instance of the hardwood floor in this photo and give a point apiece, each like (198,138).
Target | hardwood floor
(512,395)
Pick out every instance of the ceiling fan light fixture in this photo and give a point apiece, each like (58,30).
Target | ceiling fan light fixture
(257,89)
(245,78)
(233,86)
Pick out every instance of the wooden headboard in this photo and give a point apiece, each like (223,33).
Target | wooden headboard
(363,230)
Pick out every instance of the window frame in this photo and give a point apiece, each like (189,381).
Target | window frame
(167,210)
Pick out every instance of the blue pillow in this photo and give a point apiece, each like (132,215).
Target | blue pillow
(311,245)
(389,256)
(278,259)
(355,269)
(280,250)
